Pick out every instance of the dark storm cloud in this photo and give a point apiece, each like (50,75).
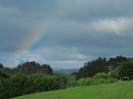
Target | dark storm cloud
(18,18)
(92,9)
(82,30)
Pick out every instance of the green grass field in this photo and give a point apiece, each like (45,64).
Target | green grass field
(119,90)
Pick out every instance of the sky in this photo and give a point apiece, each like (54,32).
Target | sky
(64,33)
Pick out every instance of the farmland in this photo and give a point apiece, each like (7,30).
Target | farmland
(119,90)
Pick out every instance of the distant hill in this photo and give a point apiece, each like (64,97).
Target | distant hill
(65,71)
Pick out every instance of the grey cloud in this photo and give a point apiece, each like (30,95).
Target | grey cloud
(71,34)
(71,38)
(93,9)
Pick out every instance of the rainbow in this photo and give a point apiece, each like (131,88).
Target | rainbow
(34,37)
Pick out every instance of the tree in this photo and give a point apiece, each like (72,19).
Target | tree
(126,69)
(93,67)
(33,67)
(17,85)
(101,65)
(4,88)
(63,81)
(6,72)
(114,73)
(46,69)
(117,61)
(1,66)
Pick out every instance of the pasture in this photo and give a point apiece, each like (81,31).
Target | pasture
(119,90)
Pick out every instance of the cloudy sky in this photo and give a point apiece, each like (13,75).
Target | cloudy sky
(74,31)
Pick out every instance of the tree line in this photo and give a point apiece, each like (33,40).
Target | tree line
(33,67)
(119,66)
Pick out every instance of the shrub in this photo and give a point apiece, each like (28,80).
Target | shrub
(112,80)
(114,73)
(101,75)
(99,81)
(41,82)
(100,78)
(82,82)
(19,84)
(4,86)
(89,81)
(126,69)
(62,80)
(75,83)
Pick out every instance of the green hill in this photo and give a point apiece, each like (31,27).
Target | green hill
(119,90)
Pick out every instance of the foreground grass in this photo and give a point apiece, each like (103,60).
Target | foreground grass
(119,90)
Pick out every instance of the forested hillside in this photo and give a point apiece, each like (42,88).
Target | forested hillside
(101,65)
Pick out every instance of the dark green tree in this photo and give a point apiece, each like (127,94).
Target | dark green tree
(93,67)
(4,88)
(100,65)
(17,85)
(1,66)
(117,61)
(63,81)
(126,69)
(46,69)
(33,67)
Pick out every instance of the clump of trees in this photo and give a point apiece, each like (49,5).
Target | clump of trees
(19,84)
(100,65)
(102,71)
(126,70)
(29,77)
(6,72)
(33,67)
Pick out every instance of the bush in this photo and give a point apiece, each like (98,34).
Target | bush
(126,69)
(62,80)
(75,83)
(82,82)
(112,80)
(100,78)
(99,81)
(89,81)
(41,82)
(4,88)
(19,84)
(114,73)
(101,75)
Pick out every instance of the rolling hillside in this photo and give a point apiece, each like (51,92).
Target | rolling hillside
(119,90)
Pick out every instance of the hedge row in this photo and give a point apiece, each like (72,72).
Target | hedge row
(19,84)
(100,78)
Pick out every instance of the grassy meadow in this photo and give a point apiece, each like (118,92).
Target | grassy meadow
(119,90)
